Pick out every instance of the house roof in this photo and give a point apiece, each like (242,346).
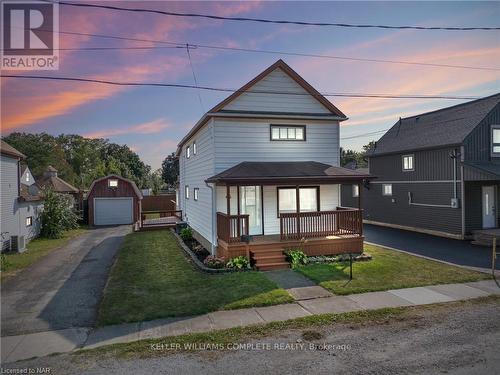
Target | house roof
(57,184)
(443,127)
(28,196)
(134,186)
(8,150)
(280,64)
(287,172)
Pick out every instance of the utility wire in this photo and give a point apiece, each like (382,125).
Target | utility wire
(194,78)
(181,45)
(364,134)
(263,20)
(209,88)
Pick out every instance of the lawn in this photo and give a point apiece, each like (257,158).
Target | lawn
(388,269)
(36,249)
(153,279)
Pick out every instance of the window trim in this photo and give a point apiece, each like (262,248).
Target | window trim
(109,183)
(318,196)
(492,145)
(186,191)
(196,192)
(355,191)
(280,126)
(383,190)
(194,148)
(188,151)
(412,162)
(30,221)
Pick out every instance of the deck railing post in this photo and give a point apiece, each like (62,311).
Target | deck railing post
(297,198)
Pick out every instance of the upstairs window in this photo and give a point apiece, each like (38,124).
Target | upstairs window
(113,183)
(495,140)
(408,163)
(288,133)
(195,193)
(188,152)
(355,191)
(194,148)
(387,189)
(186,192)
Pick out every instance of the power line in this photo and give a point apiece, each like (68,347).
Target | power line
(194,78)
(364,134)
(181,45)
(263,20)
(209,88)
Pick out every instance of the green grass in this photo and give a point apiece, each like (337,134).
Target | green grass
(36,249)
(185,343)
(153,279)
(388,269)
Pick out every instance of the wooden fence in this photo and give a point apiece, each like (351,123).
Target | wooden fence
(158,203)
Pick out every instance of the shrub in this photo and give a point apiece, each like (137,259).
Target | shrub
(238,263)
(214,262)
(296,257)
(187,234)
(57,215)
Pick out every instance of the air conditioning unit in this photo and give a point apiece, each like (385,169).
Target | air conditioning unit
(17,243)
(455,203)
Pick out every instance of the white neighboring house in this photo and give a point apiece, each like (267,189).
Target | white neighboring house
(20,203)
(248,159)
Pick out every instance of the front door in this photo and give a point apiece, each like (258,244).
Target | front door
(489,206)
(251,204)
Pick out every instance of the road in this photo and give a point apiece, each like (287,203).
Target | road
(454,251)
(63,289)
(459,338)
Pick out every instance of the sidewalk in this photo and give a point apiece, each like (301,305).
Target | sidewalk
(15,348)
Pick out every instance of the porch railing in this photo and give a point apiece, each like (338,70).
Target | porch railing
(230,228)
(158,218)
(321,223)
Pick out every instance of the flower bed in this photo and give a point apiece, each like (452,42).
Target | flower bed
(338,258)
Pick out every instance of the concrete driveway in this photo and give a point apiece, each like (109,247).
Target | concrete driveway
(63,289)
(453,251)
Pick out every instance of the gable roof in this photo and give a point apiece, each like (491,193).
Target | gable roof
(132,183)
(280,64)
(289,170)
(443,127)
(8,150)
(57,184)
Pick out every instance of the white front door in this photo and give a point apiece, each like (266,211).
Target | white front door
(489,207)
(251,204)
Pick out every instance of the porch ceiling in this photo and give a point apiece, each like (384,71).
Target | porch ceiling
(294,172)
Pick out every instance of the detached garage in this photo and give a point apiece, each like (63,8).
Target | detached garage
(114,200)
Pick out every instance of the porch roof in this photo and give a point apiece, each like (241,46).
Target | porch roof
(295,172)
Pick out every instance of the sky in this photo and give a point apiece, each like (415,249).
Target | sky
(152,120)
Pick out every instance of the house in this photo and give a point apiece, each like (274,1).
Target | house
(50,180)
(438,172)
(114,200)
(263,166)
(27,178)
(20,205)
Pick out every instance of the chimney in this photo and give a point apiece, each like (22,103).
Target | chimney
(50,172)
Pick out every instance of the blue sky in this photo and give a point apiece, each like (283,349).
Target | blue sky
(152,120)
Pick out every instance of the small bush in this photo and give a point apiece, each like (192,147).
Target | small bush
(187,234)
(238,263)
(214,262)
(296,257)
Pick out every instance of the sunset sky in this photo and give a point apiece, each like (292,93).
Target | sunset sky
(152,120)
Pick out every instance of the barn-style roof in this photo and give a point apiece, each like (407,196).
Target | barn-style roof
(132,183)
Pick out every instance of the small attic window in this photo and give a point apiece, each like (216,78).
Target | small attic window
(113,183)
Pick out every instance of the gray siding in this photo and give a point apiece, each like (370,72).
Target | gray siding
(477,145)
(346,197)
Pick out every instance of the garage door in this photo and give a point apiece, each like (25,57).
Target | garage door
(113,211)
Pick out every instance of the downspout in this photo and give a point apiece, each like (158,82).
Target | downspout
(462,189)
(214,219)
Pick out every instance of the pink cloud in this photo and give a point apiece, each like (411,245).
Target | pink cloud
(151,127)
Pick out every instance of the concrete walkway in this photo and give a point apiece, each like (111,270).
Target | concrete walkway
(15,348)
(300,287)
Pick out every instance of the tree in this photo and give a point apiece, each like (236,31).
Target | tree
(57,215)
(156,182)
(170,170)
(359,157)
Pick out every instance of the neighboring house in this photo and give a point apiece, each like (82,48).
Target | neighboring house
(20,205)
(265,162)
(438,172)
(27,178)
(50,180)
(114,200)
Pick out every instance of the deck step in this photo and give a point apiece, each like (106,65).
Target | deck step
(273,266)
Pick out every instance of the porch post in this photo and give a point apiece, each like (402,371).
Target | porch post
(360,207)
(238,210)
(228,199)
(297,198)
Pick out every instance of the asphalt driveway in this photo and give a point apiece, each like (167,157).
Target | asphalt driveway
(454,251)
(63,289)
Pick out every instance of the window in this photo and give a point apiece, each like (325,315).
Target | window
(288,133)
(29,221)
(113,183)
(194,148)
(186,192)
(188,152)
(309,199)
(495,140)
(408,163)
(386,189)
(355,191)
(195,195)
(27,177)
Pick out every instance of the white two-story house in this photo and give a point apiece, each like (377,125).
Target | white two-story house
(259,173)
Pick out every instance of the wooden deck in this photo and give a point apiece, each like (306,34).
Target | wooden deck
(152,220)
(484,237)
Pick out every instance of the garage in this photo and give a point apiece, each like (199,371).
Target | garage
(114,200)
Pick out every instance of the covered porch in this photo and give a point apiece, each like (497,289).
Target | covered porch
(265,208)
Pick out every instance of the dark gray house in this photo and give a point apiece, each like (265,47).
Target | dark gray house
(437,172)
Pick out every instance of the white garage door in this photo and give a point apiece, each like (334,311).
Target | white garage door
(113,211)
